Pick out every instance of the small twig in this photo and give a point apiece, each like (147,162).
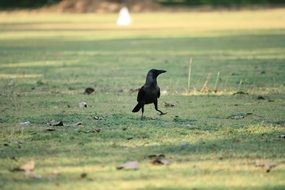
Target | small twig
(189,75)
(217,81)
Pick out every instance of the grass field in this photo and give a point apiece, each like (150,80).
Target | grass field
(213,140)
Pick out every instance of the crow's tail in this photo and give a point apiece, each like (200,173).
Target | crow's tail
(137,108)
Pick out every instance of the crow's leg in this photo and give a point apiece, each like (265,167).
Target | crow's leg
(156,108)
(142,111)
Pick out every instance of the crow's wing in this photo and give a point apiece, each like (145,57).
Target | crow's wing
(141,95)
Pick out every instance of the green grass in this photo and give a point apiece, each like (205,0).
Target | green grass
(47,60)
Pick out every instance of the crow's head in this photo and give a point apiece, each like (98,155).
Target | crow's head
(155,72)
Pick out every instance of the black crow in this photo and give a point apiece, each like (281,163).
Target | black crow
(149,92)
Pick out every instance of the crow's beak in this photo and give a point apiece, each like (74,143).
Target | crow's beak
(161,71)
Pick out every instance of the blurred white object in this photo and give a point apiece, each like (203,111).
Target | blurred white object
(124,18)
(164,92)
(25,123)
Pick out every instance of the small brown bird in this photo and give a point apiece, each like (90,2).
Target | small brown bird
(149,92)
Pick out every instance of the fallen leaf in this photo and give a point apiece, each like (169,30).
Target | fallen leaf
(83,105)
(55,123)
(89,90)
(168,104)
(131,165)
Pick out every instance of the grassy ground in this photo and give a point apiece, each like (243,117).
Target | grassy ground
(47,60)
